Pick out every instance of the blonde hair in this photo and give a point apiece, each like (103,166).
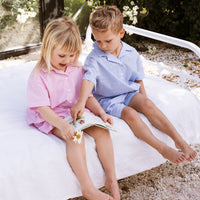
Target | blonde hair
(61,33)
(106,17)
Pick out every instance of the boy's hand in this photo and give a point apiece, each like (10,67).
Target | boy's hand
(107,118)
(77,111)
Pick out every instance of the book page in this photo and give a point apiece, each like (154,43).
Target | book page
(87,120)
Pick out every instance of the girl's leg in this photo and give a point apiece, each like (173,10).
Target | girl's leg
(106,156)
(77,160)
(144,105)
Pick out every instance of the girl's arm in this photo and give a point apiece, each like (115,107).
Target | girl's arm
(66,129)
(142,89)
(93,105)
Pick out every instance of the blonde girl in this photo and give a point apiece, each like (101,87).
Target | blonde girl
(53,88)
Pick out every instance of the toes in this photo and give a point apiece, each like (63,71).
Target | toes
(192,156)
(180,159)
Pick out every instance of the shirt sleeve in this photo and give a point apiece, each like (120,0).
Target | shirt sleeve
(140,70)
(37,91)
(81,76)
(90,70)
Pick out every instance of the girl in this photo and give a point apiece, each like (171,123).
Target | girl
(53,88)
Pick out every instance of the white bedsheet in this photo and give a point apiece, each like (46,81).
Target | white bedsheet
(33,166)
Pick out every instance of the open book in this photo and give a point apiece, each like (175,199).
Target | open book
(87,120)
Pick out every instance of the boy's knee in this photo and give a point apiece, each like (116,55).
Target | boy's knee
(148,105)
(129,114)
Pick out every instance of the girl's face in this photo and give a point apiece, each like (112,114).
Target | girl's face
(61,59)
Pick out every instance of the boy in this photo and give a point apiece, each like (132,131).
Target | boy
(114,72)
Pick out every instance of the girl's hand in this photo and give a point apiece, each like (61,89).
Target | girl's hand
(107,118)
(67,131)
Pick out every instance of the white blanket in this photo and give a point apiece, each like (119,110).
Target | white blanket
(33,166)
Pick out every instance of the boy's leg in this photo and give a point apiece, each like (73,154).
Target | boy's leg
(144,105)
(77,160)
(106,156)
(141,130)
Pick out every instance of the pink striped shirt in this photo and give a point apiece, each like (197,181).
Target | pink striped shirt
(58,89)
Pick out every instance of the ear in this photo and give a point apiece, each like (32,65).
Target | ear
(122,32)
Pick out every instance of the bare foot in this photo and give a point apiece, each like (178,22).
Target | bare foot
(187,150)
(172,155)
(113,187)
(95,194)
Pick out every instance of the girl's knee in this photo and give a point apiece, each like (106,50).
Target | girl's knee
(97,132)
(71,142)
(102,134)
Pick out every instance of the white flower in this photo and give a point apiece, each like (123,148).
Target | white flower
(131,18)
(22,11)
(132,3)
(129,33)
(134,20)
(22,18)
(89,3)
(135,12)
(135,8)
(125,8)
(78,136)
(124,13)
(129,13)
(32,14)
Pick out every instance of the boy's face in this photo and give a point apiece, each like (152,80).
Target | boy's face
(108,41)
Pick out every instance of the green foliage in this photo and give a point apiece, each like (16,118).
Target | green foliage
(13,6)
(177,18)
(9,10)
(83,19)
(71,7)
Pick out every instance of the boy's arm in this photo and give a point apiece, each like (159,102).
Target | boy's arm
(93,105)
(142,89)
(67,130)
(78,109)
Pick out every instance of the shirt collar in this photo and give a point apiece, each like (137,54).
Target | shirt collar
(125,48)
(68,70)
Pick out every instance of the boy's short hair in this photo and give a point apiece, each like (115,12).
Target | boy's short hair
(105,17)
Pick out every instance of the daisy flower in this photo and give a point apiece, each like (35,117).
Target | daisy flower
(78,136)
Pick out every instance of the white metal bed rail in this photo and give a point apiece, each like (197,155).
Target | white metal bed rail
(163,38)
